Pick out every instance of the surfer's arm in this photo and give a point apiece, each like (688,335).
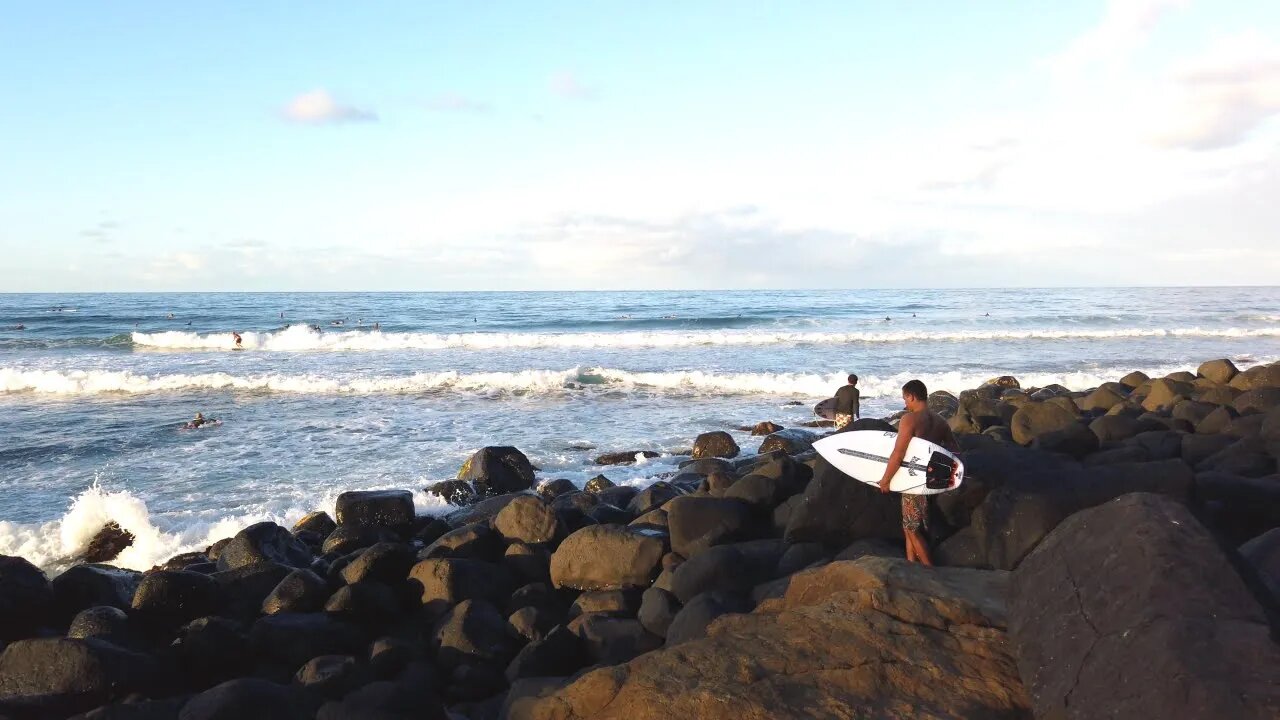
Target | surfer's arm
(906,430)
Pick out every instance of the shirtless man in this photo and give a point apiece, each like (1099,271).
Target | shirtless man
(918,422)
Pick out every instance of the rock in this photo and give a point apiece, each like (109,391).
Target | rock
(697,523)
(1216,421)
(1270,430)
(716,484)
(348,538)
(472,632)
(943,403)
(532,623)
(606,557)
(454,492)
(83,586)
(527,562)
(317,522)
(764,428)
(54,677)
(792,441)
(329,675)
(389,656)
(1164,394)
(609,641)
(209,650)
(385,562)
(369,604)
(540,595)
(392,509)
(560,653)
(1245,426)
(1239,508)
(26,598)
(264,542)
(875,547)
(652,520)
(606,514)
(386,700)
(734,568)
(300,591)
(1103,398)
(1038,418)
(1247,457)
(1215,394)
(1134,379)
(498,470)
(598,483)
(476,541)
(442,583)
(483,511)
(1258,376)
(244,699)
(715,444)
(871,620)
(798,557)
(1106,626)
(836,511)
(107,544)
(1263,553)
(1195,449)
(692,620)
(1259,400)
(105,623)
(617,496)
(627,457)
(706,466)
(617,603)
(653,497)
(658,608)
(291,639)
(1192,411)
(1114,428)
(244,589)
(168,598)
(1075,440)
(1120,454)
(528,520)
(552,489)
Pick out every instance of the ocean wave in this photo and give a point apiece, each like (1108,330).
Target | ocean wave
(526,382)
(300,338)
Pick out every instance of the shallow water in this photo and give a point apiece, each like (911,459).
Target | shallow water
(93,391)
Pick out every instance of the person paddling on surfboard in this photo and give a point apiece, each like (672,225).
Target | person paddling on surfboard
(198,421)
(922,423)
(847,401)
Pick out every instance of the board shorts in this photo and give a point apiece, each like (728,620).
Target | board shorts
(915,512)
(842,420)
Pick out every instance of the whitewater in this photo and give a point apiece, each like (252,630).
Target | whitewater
(317,399)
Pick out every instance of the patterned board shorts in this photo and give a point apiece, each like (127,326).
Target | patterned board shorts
(842,420)
(915,512)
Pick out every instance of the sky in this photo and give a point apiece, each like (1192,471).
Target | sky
(660,145)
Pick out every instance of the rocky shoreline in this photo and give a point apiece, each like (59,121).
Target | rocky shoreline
(1114,551)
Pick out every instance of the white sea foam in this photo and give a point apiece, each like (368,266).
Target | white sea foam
(525,382)
(300,338)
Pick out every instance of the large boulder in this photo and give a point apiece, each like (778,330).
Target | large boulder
(376,508)
(473,632)
(1131,609)
(168,598)
(385,562)
(291,639)
(529,520)
(715,444)
(442,583)
(558,654)
(245,588)
(83,586)
(1263,553)
(607,557)
(1165,393)
(610,640)
(54,677)
(697,523)
(695,616)
(1103,398)
(734,568)
(1219,371)
(26,598)
(496,470)
(1258,376)
(264,542)
(300,591)
(317,522)
(1034,419)
(836,510)
(1260,400)
(1075,440)
(792,441)
(1239,508)
(245,699)
(626,457)
(837,651)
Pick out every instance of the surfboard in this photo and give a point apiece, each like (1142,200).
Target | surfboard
(826,409)
(928,468)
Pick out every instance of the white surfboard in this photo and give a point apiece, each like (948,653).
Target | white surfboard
(928,468)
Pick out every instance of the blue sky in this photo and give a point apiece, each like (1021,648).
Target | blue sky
(380,146)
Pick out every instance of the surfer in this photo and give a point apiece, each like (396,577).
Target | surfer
(236,336)
(847,403)
(198,421)
(919,422)
(19,326)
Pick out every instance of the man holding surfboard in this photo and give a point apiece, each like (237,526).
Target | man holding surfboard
(918,422)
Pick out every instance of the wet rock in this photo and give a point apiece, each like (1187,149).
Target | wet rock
(715,444)
(627,457)
(26,598)
(169,598)
(107,544)
(598,483)
(446,582)
(477,541)
(83,586)
(385,562)
(606,557)
(496,470)
(653,497)
(317,522)
(792,441)
(454,492)
(472,632)
(392,509)
(555,488)
(300,591)
(104,623)
(264,542)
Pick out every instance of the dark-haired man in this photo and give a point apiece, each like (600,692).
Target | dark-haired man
(918,422)
(847,401)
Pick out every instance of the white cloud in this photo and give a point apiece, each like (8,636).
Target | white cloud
(566,85)
(319,107)
(1224,94)
(1125,27)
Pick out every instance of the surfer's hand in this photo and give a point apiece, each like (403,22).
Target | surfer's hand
(884,485)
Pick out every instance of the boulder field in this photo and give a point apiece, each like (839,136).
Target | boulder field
(1114,552)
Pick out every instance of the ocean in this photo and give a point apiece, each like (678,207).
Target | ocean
(343,391)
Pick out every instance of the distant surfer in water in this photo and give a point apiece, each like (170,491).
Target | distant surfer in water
(239,342)
(198,421)
(922,423)
(847,403)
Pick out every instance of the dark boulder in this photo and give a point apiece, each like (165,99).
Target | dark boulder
(619,496)
(764,428)
(697,523)
(1075,440)
(264,542)
(598,483)
(617,603)
(105,623)
(792,441)
(626,457)
(1239,508)
(331,676)
(612,641)
(317,522)
(652,520)
(392,509)
(245,699)
(1164,394)
(653,497)
(706,466)
(387,700)
(1247,457)
(107,544)
(389,656)
(1258,376)
(368,604)
(836,510)
(692,620)
(529,563)
(496,470)
(349,538)
(54,677)
(1259,400)
(552,489)
(483,511)
(300,591)
(1217,421)
(1034,419)
(1195,449)
(168,598)
(1103,398)
(558,654)
(606,557)
(291,639)
(26,598)
(658,608)
(208,650)
(943,404)
(454,492)
(477,541)
(473,632)
(1131,609)
(385,562)
(734,568)
(244,589)
(444,582)
(800,556)
(715,444)
(529,520)
(83,586)
(533,623)
(1263,553)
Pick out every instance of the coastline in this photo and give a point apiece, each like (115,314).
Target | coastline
(595,587)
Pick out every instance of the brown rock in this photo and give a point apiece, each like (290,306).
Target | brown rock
(859,642)
(626,457)
(1037,418)
(107,544)
(715,444)
(1134,379)
(1219,371)
(765,428)
(1130,609)
(529,520)
(1165,394)
(1257,400)
(1103,398)
(606,557)
(1258,376)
